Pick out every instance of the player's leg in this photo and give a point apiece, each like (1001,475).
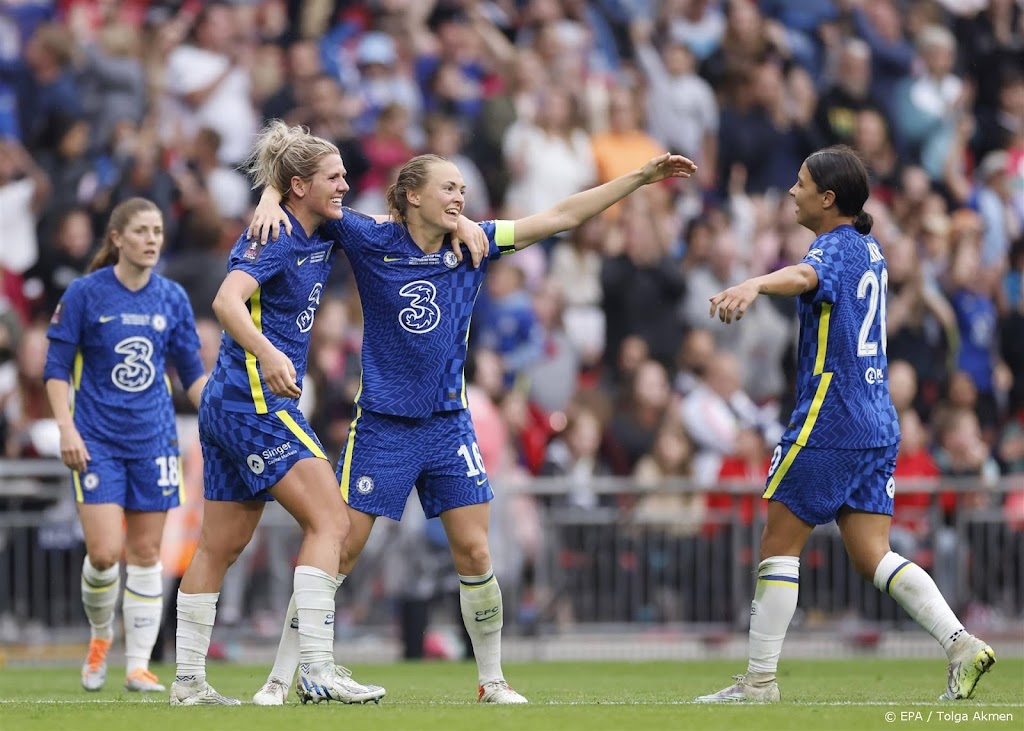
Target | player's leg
(456,488)
(100,496)
(143,603)
(311,494)
(791,518)
(227,530)
(153,487)
(275,691)
(864,525)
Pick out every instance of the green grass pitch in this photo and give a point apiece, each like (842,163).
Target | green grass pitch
(851,694)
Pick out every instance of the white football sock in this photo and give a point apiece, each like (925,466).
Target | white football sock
(287,658)
(778,587)
(314,605)
(99,597)
(914,590)
(480,600)
(196,615)
(142,609)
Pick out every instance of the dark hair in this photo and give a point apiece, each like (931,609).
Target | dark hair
(120,217)
(411,177)
(839,169)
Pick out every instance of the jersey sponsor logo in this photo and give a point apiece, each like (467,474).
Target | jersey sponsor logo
(159,323)
(301,260)
(329,618)
(253,252)
(364,485)
(91,481)
(390,259)
(874,376)
(131,318)
(281,451)
(890,487)
(816,254)
(422,315)
(136,372)
(450,260)
(305,318)
(107,318)
(256,464)
(55,319)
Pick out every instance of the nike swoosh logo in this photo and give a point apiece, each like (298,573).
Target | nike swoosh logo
(480,482)
(168,493)
(302,261)
(392,258)
(107,318)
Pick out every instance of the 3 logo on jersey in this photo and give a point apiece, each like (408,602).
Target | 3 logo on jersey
(422,315)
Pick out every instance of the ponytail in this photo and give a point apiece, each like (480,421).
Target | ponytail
(863,222)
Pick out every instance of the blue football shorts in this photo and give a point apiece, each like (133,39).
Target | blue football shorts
(245,454)
(386,456)
(149,483)
(815,483)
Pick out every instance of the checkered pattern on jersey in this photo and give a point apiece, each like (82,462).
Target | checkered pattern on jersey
(244,455)
(821,481)
(416,315)
(855,410)
(125,340)
(390,455)
(291,272)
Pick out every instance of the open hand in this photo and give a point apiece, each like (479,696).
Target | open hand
(668,166)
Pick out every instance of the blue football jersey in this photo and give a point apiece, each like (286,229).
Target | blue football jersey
(416,314)
(291,272)
(122,396)
(842,374)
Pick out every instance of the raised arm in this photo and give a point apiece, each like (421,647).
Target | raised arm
(574,210)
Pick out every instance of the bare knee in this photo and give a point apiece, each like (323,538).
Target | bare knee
(472,559)
(143,552)
(865,559)
(330,523)
(103,558)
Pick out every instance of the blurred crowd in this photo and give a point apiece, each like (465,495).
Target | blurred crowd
(592,353)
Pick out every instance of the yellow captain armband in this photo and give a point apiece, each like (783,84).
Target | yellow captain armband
(505,236)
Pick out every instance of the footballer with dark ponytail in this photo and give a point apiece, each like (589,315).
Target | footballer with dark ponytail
(840,170)
(836,459)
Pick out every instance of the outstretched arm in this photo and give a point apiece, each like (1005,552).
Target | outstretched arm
(574,210)
(269,217)
(786,282)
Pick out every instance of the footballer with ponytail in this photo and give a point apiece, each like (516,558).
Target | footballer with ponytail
(835,461)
